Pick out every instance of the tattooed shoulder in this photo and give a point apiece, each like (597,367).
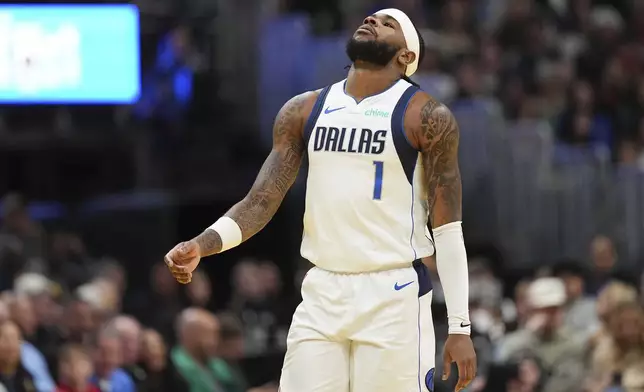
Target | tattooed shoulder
(436,133)
(290,120)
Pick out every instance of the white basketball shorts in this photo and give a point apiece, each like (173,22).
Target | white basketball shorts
(369,332)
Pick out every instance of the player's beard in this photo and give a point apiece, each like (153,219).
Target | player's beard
(371,51)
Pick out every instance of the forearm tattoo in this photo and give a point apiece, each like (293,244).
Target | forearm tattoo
(439,144)
(273,181)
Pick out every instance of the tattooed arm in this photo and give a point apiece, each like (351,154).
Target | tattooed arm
(436,136)
(275,177)
(432,127)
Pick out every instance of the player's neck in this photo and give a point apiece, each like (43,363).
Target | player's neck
(364,80)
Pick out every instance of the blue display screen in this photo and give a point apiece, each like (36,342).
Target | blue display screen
(85,54)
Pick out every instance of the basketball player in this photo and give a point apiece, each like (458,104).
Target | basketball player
(382,164)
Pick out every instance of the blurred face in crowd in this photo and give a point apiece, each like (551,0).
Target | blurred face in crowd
(209,336)
(199,333)
(154,350)
(46,308)
(627,326)
(547,320)
(468,78)
(114,273)
(574,286)
(199,291)
(613,295)
(247,280)
(270,276)
(583,96)
(22,312)
(581,126)
(9,344)
(129,332)
(75,368)
(79,320)
(603,253)
(162,281)
(108,355)
(180,39)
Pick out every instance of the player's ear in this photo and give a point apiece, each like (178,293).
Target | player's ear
(406,57)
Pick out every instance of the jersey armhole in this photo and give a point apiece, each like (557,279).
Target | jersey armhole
(407,154)
(315,114)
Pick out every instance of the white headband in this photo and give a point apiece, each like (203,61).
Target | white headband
(410,34)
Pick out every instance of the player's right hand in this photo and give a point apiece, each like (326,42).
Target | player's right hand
(182,260)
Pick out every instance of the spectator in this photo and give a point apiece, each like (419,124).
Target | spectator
(159,308)
(21,311)
(74,326)
(619,360)
(603,257)
(580,312)
(194,356)
(199,292)
(257,303)
(40,290)
(75,370)
(612,296)
(13,375)
(231,345)
(559,351)
(160,376)
(109,376)
(69,264)
(129,332)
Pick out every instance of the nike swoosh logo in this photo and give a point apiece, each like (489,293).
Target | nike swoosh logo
(329,110)
(463,325)
(398,287)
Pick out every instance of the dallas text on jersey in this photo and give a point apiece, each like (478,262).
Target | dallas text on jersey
(351,140)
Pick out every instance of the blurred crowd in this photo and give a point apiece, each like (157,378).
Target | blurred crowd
(573,68)
(69,322)
(575,325)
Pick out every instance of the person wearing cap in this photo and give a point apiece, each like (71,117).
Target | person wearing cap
(560,351)
(383,192)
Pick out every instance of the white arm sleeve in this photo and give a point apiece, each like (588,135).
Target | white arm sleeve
(451,262)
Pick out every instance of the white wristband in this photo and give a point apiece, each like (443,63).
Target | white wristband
(451,262)
(228,231)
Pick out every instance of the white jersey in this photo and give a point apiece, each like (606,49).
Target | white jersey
(366,205)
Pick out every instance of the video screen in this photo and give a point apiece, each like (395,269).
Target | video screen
(69,54)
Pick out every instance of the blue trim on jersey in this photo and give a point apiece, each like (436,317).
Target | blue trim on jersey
(424,287)
(407,154)
(419,346)
(315,114)
(413,221)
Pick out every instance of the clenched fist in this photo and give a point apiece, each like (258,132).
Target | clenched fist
(182,260)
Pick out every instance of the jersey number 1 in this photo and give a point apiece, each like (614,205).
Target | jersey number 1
(377,186)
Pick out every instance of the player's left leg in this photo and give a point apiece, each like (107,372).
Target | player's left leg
(395,349)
